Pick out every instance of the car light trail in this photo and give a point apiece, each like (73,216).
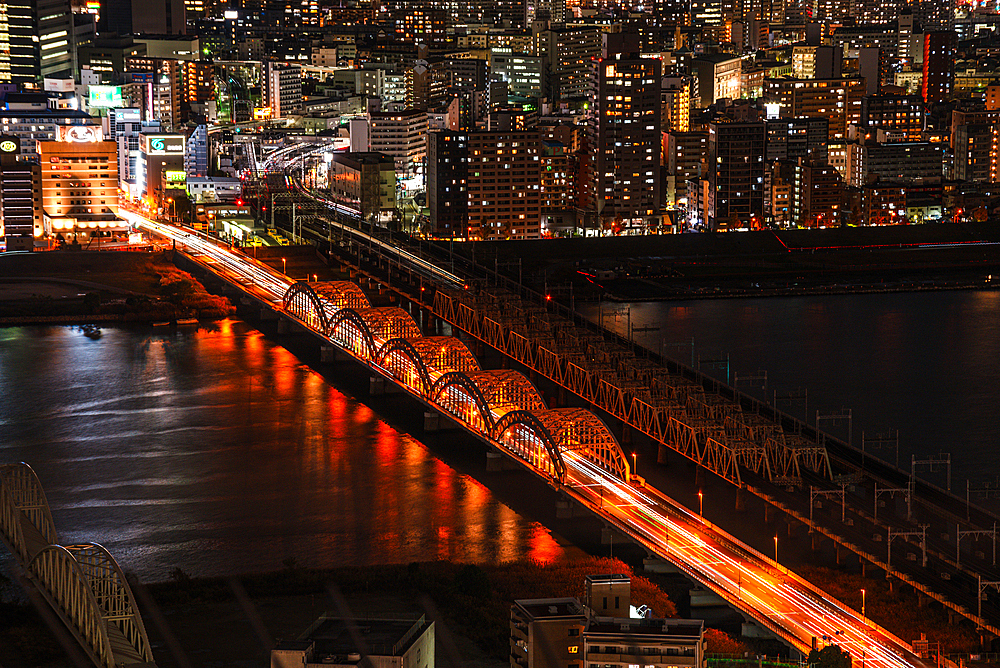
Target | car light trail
(748,580)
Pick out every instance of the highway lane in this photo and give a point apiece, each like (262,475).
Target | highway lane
(731,569)
(734,571)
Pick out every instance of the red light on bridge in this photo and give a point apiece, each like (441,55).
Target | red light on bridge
(548,298)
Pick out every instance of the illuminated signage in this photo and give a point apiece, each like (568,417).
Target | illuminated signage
(128,115)
(162,144)
(176,177)
(79,134)
(9,144)
(261,113)
(106,96)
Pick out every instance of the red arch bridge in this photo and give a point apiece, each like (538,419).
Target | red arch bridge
(570,447)
(501,406)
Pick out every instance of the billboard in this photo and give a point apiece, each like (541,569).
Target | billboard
(161,144)
(128,115)
(106,97)
(9,144)
(261,113)
(58,85)
(175,179)
(79,134)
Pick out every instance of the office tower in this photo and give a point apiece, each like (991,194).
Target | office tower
(36,40)
(736,176)
(625,125)
(939,66)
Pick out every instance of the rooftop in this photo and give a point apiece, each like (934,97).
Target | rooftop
(672,627)
(334,636)
(538,608)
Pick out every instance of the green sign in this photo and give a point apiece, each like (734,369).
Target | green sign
(176,177)
(106,96)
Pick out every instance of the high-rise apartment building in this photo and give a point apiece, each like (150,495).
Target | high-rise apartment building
(569,54)
(504,180)
(627,140)
(403,135)
(838,100)
(736,176)
(447,178)
(894,113)
(282,88)
(940,50)
(20,197)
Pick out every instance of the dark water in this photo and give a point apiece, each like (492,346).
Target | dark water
(219,452)
(927,364)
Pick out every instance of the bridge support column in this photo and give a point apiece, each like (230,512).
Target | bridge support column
(327,354)
(657,565)
(662,452)
(283,326)
(268,314)
(432,421)
(376,386)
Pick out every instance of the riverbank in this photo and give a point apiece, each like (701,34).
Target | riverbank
(234,621)
(82,287)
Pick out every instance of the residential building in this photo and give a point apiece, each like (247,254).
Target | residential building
(685,159)
(569,53)
(396,643)
(213,188)
(563,632)
(894,113)
(675,104)
(20,198)
(838,100)
(282,88)
(627,140)
(902,161)
(736,177)
(79,181)
(196,153)
(525,74)
(504,180)
(365,182)
(940,51)
(447,177)
(402,135)
(793,138)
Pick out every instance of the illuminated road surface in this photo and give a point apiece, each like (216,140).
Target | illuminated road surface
(734,571)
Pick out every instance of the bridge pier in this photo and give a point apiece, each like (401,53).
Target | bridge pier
(432,421)
(327,354)
(376,386)
(283,326)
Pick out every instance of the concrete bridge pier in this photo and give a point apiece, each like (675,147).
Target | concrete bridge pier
(267,313)
(283,326)
(432,421)
(376,386)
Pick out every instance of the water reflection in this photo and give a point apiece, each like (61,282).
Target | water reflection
(217,452)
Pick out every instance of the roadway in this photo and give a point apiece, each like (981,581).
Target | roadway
(764,590)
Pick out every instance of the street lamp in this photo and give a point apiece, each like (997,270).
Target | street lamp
(776,548)
(633,465)
(862,602)
(172,209)
(701,505)
(284,267)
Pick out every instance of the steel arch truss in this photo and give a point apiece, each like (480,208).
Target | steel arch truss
(570,430)
(419,361)
(316,303)
(85,585)
(481,397)
(25,518)
(362,331)
(524,435)
(441,354)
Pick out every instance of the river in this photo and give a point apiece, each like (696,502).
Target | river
(924,363)
(217,451)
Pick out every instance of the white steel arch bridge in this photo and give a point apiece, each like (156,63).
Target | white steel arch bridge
(83,583)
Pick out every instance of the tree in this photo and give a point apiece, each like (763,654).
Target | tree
(831,656)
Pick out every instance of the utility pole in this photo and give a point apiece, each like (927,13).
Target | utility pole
(931,462)
(837,417)
(813,493)
(974,533)
(880,440)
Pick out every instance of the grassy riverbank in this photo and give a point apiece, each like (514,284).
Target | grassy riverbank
(124,286)
(234,621)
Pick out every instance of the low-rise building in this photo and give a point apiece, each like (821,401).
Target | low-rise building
(20,198)
(365,182)
(565,633)
(333,641)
